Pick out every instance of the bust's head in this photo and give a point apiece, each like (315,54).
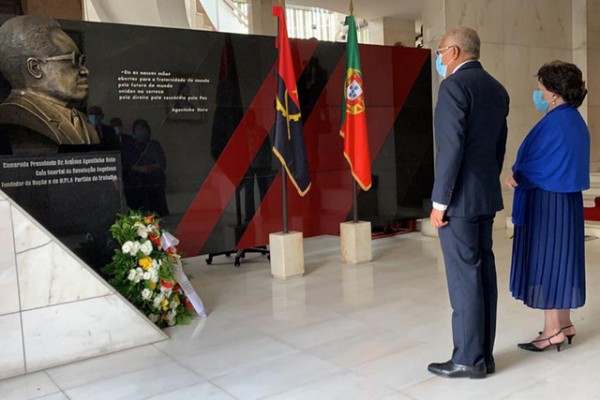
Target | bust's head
(37,55)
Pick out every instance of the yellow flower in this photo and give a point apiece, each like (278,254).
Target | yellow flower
(176,299)
(165,304)
(152,285)
(145,263)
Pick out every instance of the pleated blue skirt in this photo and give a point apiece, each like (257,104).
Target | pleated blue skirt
(548,258)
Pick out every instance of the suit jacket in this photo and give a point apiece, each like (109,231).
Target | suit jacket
(62,125)
(470,140)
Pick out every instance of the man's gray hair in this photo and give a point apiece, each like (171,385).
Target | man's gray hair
(23,37)
(467,39)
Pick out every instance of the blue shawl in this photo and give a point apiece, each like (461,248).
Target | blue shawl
(555,157)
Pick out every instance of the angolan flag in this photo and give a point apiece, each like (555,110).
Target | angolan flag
(289,139)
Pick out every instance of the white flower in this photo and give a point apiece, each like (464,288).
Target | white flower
(146,248)
(147,275)
(135,249)
(127,247)
(155,264)
(131,275)
(167,292)
(153,317)
(142,232)
(139,274)
(153,275)
(157,300)
(173,305)
(171,317)
(146,294)
(130,247)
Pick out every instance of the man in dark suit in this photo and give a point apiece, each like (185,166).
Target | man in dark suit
(470,133)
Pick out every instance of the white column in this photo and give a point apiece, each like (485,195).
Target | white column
(591,62)
(399,30)
(261,19)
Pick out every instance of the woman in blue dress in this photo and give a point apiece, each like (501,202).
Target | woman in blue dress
(551,170)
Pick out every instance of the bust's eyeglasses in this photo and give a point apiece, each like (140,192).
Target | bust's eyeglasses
(76,58)
(443,50)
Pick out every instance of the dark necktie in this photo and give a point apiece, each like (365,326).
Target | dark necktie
(79,126)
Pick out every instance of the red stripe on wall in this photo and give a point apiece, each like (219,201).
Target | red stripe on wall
(229,169)
(330,198)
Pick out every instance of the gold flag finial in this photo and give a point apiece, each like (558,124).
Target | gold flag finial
(351,8)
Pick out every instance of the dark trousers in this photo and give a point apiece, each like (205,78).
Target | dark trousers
(472,286)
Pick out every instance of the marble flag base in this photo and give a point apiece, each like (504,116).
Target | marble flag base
(355,238)
(287,255)
(55,309)
(427,229)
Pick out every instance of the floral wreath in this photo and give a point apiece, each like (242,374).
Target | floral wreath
(141,269)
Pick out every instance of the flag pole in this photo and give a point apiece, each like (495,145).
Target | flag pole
(284,198)
(355,201)
(355,235)
(284,183)
(354,183)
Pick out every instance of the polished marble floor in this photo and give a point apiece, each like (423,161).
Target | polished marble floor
(340,332)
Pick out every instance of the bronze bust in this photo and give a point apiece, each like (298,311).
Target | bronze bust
(48,77)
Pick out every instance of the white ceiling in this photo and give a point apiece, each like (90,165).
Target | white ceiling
(368,9)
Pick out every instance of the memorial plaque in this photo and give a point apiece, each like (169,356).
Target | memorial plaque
(75,196)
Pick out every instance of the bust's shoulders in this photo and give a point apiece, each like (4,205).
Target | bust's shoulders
(30,103)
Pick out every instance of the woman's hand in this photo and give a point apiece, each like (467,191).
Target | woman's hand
(510,182)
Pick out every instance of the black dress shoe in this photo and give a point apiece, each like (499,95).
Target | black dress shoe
(452,370)
(490,365)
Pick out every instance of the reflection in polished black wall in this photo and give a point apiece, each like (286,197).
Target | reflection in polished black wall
(403,170)
(233,67)
(207,101)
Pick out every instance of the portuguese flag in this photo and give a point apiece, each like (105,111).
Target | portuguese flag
(354,118)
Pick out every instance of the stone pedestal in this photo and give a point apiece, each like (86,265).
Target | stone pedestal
(427,229)
(355,241)
(287,255)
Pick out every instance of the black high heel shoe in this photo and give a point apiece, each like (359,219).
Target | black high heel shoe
(569,337)
(530,346)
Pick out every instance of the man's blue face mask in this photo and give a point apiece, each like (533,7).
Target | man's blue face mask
(441,68)
(95,119)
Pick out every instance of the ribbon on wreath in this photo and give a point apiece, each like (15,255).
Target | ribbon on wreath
(169,242)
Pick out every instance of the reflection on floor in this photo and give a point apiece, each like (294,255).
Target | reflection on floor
(340,332)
